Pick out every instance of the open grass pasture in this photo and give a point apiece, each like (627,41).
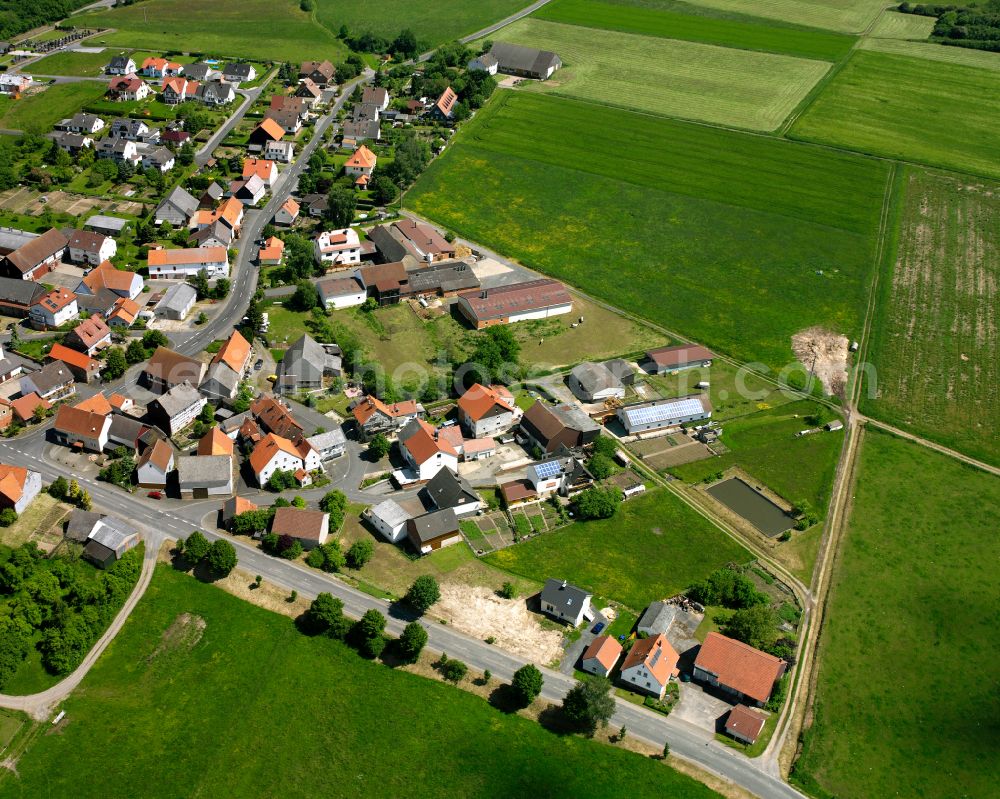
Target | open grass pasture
(931,51)
(936,347)
(433,23)
(713,233)
(764,445)
(940,114)
(39,112)
(654,547)
(258,29)
(77,64)
(906,701)
(726,86)
(676,24)
(846,16)
(896,25)
(196,671)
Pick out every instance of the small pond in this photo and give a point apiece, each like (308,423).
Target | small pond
(753,506)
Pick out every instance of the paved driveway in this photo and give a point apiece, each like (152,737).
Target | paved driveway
(700,708)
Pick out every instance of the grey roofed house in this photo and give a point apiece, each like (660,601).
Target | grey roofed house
(50,377)
(565,598)
(112,148)
(443,278)
(432,525)
(589,380)
(362,130)
(158,157)
(364,111)
(304,365)
(376,95)
(390,243)
(108,225)
(71,142)
(176,301)
(119,62)
(317,204)
(621,369)
(213,193)
(220,382)
(12,239)
(218,234)
(332,441)
(177,399)
(80,121)
(216,92)
(232,425)
(199,71)
(20,292)
(204,471)
(98,302)
(125,430)
(518,60)
(177,208)
(81,524)
(449,490)
(110,539)
(238,69)
(657,618)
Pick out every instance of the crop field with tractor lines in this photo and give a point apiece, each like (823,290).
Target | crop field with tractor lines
(937,331)
(739,241)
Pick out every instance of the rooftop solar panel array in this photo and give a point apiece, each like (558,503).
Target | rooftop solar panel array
(548,469)
(650,414)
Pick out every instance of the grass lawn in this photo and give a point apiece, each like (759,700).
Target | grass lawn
(654,547)
(39,112)
(392,570)
(676,24)
(906,694)
(71,62)
(764,444)
(910,108)
(896,25)
(259,29)
(726,86)
(933,51)
(714,233)
(314,697)
(847,16)
(35,518)
(936,332)
(433,23)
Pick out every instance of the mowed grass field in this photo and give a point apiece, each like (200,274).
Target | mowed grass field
(37,113)
(847,16)
(676,24)
(930,51)
(433,22)
(935,113)
(723,85)
(706,231)
(259,29)
(654,547)
(248,706)
(77,64)
(937,329)
(764,445)
(906,701)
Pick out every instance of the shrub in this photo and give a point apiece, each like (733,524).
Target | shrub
(507,590)
(454,671)
(423,593)
(526,684)
(359,553)
(7,517)
(221,557)
(412,641)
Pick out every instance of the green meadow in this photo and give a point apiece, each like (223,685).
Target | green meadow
(203,694)
(846,16)
(676,24)
(690,80)
(654,547)
(906,701)
(39,112)
(738,241)
(936,113)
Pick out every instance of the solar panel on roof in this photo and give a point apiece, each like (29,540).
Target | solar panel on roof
(668,410)
(548,469)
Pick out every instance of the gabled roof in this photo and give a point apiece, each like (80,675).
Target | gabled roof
(178,399)
(21,292)
(563,596)
(25,406)
(56,300)
(51,376)
(605,649)
(174,367)
(746,722)
(523,59)
(195,255)
(299,523)
(291,207)
(480,400)
(234,353)
(595,377)
(271,128)
(261,167)
(363,158)
(269,446)
(432,525)
(423,442)
(105,276)
(656,654)
(206,471)
(12,480)
(503,301)
(125,309)
(449,490)
(86,240)
(159,455)
(60,352)
(79,423)
(272,249)
(446,102)
(275,417)
(215,442)
(739,666)
(668,357)
(95,404)
(370,405)
(182,200)
(91,331)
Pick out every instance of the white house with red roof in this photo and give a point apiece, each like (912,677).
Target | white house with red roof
(362,163)
(486,410)
(338,247)
(425,450)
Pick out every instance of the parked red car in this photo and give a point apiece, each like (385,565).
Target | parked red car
(155,495)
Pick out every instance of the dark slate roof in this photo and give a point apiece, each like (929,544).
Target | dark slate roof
(523,59)
(80,523)
(449,490)
(563,596)
(432,525)
(21,292)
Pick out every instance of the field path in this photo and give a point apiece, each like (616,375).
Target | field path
(41,705)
